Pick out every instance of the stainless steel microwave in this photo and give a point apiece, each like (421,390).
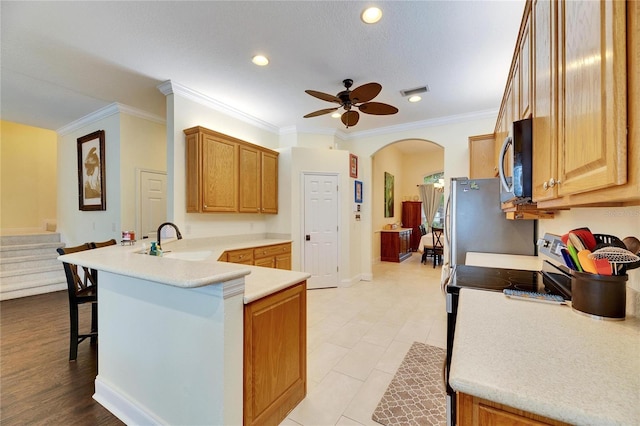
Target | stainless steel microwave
(518,186)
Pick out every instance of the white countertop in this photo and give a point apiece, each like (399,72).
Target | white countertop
(547,359)
(126,260)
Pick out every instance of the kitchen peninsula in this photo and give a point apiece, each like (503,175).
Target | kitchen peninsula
(174,329)
(538,359)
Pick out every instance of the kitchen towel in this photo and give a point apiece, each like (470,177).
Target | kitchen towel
(416,394)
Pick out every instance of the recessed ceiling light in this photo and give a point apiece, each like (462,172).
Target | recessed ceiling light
(415,98)
(371,15)
(336,115)
(260,60)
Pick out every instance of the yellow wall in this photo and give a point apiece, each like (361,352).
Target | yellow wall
(28,176)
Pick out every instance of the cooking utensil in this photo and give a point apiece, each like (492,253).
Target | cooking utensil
(602,266)
(576,242)
(586,262)
(617,256)
(569,261)
(588,239)
(632,244)
(574,257)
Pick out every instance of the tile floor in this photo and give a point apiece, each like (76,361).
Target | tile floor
(358,336)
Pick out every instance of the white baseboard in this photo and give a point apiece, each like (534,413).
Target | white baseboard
(121,407)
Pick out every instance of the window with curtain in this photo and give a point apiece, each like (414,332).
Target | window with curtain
(437,178)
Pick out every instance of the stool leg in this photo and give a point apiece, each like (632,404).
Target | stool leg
(73,333)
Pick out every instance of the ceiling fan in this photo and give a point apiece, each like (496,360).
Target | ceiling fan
(358,97)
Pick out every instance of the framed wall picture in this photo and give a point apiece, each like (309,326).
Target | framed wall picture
(353,168)
(358,192)
(91,172)
(388,195)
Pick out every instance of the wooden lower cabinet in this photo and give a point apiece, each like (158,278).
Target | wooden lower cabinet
(274,256)
(244,256)
(395,245)
(474,411)
(275,360)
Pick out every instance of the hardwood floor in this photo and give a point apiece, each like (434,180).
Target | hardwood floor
(38,384)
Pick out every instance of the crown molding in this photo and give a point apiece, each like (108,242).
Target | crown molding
(433,122)
(172,88)
(337,133)
(107,111)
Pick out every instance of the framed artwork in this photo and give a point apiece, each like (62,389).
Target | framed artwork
(353,166)
(388,195)
(358,192)
(91,172)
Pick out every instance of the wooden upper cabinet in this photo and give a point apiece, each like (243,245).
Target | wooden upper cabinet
(544,15)
(524,97)
(250,180)
(593,103)
(225,174)
(269,179)
(482,161)
(193,167)
(219,174)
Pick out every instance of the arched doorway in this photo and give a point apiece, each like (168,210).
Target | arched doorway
(405,163)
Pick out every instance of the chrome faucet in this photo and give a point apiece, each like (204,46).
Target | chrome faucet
(178,234)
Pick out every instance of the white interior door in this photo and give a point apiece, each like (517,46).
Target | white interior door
(321,230)
(153,201)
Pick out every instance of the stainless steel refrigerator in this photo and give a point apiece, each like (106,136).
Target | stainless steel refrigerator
(476,222)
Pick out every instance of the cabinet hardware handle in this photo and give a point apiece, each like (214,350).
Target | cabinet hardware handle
(545,185)
(553,182)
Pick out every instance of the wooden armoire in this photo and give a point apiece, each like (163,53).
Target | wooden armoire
(412,218)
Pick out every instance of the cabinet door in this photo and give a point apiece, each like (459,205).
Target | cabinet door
(269,189)
(243,256)
(283,261)
(544,100)
(266,262)
(275,361)
(592,80)
(249,197)
(525,71)
(219,175)
(472,411)
(192,171)
(482,162)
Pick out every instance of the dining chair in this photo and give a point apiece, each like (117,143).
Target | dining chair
(82,288)
(438,246)
(110,242)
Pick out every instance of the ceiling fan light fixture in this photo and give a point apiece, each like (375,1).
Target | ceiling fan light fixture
(336,115)
(371,15)
(415,98)
(260,60)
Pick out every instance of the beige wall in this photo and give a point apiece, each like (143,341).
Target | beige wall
(142,146)
(416,167)
(27,178)
(131,142)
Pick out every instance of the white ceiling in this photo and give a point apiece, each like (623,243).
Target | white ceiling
(64,60)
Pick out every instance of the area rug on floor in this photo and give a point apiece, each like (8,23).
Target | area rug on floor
(416,394)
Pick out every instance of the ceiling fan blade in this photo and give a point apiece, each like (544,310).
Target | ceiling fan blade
(377,108)
(324,96)
(365,93)
(320,112)
(350,118)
